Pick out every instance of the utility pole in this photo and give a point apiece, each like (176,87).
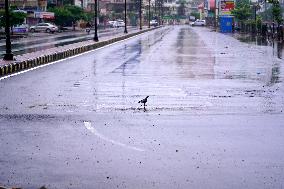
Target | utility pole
(140,14)
(125,17)
(265,12)
(149,13)
(159,11)
(8,55)
(162,7)
(216,13)
(155,9)
(96,21)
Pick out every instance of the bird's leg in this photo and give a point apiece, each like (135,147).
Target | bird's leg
(144,107)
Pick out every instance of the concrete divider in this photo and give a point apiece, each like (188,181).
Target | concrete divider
(29,63)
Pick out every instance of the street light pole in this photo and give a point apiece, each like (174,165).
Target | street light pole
(8,55)
(162,6)
(125,18)
(140,15)
(160,10)
(96,21)
(149,13)
(155,9)
(216,13)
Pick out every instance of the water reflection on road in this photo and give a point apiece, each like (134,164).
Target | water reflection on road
(277,46)
(28,45)
(187,69)
(191,54)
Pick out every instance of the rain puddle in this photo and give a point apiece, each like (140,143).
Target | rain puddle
(278,49)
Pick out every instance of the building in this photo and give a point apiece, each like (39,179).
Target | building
(23,4)
(117,6)
(35,10)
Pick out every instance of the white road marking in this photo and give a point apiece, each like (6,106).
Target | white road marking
(88,125)
(41,66)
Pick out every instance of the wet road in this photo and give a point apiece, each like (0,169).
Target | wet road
(277,47)
(214,117)
(44,41)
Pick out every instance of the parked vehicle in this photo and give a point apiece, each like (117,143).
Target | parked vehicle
(62,29)
(119,23)
(111,23)
(198,23)
(154,23)
(23,28)
(44,27)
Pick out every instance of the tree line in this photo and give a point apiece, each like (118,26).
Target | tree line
(244,11)
(64,15)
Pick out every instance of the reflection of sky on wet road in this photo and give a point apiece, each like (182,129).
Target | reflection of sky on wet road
(181,71)
(185,69)
(214,117)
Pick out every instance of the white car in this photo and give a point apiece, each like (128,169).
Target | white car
(199,23)
(118,23)
(45,27)
(111,23)
(154,23)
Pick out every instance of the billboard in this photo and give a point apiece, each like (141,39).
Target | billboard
(45,15)
(226,6)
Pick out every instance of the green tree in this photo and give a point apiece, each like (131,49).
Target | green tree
(2,18)
(242,10)
(16,18)
(63,17)
(68,14)
(67,2)
(277,12)
(76,12)
(195,14)
(88,16)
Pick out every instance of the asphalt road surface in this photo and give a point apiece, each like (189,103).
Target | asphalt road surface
(44,41)
(214,116)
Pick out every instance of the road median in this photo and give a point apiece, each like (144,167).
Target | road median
(30,60)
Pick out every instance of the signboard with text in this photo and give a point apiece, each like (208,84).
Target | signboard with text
(226,6)
(44,15)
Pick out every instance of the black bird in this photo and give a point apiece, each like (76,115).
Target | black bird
(144,101)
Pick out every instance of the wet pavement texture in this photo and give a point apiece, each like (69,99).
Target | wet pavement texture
(45,41)
(214,116)
(277,46)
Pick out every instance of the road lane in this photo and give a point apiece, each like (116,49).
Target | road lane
(214,117)
(27,45)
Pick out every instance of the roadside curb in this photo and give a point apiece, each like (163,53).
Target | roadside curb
(20,65)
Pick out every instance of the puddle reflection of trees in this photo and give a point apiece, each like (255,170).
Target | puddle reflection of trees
(261,41)
(276,52)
